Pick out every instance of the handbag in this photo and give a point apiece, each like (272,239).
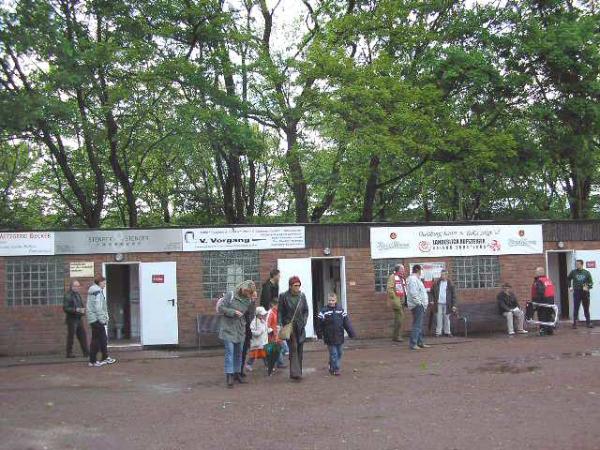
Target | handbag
(286,330)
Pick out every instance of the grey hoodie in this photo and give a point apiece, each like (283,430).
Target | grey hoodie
(97,310)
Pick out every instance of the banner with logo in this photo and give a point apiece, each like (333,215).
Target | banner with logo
(460,240)
(117,241)
(27,243)
(243,238)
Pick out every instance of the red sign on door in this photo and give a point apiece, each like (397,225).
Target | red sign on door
(158,278)
(590,264)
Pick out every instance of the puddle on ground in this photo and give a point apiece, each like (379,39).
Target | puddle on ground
(505,368)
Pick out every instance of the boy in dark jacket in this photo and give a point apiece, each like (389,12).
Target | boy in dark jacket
(333,320)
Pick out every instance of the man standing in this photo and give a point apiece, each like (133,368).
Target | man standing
(509,308)
(542,291)
(444,301)
(97,315)
(74,311)
(270,290)
(396,290)
(249,315)
(417,302)
(581,281)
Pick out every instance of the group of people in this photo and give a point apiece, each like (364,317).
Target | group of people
(275,327)
(410,292)
(96,312)
(250,332)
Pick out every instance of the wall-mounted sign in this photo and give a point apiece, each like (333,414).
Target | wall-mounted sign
(590,264)
(243,238)
(117,241)
(430,271)
(158,278)
(81,269)
(26,243)
(467,240)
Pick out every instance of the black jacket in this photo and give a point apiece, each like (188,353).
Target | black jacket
(331,325)
(450,294)
(507,302)
(286,312)
(71,302)
(268,292)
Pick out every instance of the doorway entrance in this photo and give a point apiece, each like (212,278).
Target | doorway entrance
(559,264)
(123,298)
(319,276)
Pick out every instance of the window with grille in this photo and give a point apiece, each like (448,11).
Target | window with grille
(383,269)
(34,281)
(224,270)
(476,272)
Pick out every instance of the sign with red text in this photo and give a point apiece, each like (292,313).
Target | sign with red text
(27,243)
(158,278)
(459,240)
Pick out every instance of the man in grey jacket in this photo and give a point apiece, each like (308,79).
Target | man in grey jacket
(417,301)
(97,315)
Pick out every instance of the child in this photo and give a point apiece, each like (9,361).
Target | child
(273,326)
(333,320)
(259,339)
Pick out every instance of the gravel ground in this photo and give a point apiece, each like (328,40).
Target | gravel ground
(484,393)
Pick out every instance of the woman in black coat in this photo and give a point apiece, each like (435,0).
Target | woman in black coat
(289,301)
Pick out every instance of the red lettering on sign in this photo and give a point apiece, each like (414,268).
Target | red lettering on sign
(158,278)
(590,264)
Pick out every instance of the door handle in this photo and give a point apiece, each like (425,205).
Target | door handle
(172,301)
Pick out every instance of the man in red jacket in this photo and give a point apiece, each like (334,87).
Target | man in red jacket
(542,291)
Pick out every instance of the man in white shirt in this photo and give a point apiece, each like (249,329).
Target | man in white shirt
(444,300)
(417,301)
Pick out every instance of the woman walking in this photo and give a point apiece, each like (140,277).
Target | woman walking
(233,329)
(293,309)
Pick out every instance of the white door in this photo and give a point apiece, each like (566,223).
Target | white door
(302,267)
(158,305)
(591,262)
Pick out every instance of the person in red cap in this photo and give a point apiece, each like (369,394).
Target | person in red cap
(293,308)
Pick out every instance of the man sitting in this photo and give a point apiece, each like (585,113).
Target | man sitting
(509,308)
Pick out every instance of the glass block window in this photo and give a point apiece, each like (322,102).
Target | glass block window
(34,281)
(476,272)
(383,269)
(224,270)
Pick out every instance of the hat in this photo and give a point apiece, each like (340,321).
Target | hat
(260,311)
(295,279)
(248,284)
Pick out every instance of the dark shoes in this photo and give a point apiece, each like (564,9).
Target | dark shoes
(590,325)
(229,380)
(398,340)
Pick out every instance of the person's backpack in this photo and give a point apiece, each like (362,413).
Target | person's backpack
(225,300)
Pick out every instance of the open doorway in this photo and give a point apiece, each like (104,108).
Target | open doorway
(326,279)
(123,298)
(560,264)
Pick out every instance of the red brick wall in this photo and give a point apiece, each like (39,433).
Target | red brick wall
(41,329)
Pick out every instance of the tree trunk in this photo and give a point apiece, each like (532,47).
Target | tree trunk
(370,190)
(297,176)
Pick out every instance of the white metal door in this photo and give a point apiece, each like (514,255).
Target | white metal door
(158,305)
(591,262)
(302,267)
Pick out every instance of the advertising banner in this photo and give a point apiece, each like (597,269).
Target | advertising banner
(243,238)
(26,243)
(460,240)
(117,241)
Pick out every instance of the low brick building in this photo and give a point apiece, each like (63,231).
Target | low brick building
(161,280)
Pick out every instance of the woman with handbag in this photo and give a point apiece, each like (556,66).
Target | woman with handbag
(293,314)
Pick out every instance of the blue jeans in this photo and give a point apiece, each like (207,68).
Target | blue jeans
(233,357)
(416,334)
(335,357)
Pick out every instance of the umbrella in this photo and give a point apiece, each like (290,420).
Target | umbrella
(272,349)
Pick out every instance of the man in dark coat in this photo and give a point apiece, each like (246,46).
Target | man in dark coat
(508,306)
(270,289)
(290,301)
(333,320)
(444,303)
(74,311)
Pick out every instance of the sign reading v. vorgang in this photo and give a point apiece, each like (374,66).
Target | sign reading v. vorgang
(243,238)
(460,240)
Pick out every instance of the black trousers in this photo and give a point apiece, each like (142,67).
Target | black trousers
(296,355)
(581,297)
(75,328)
(99,342)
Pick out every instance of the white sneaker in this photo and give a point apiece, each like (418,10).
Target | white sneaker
(511,333)
(522,331)
(109,360)
(96,364)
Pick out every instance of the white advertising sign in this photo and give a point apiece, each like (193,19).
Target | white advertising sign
(243,238)
(26,243)
(460,240)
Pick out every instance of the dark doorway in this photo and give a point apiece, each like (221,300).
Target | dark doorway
(326,279)
(123,309)
(563,273)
